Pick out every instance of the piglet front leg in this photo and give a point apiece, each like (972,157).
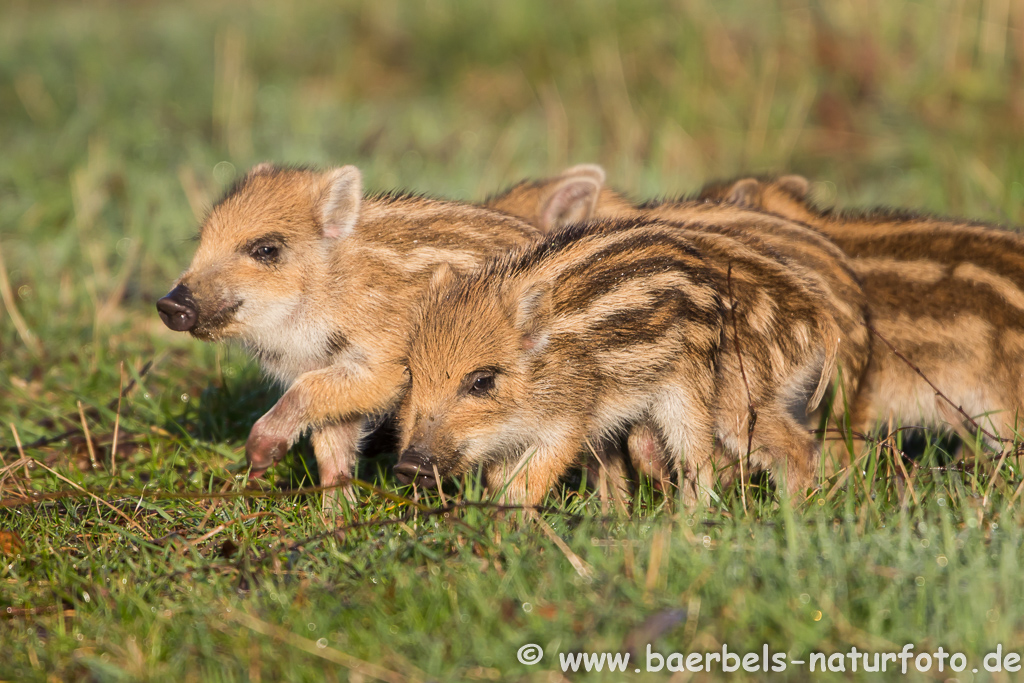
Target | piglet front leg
(337,447)
(317,399)
(274,433)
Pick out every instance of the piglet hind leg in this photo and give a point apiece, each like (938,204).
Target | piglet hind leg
(787,449)
(336,447)
(848,432)
(683,417)
(647,452)
(606,466)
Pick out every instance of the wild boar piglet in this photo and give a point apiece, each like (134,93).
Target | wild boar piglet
(946,294)
(604,326)
(318,283)
(580,192)
(515,367)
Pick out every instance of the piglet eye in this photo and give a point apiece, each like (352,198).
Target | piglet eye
(480,383)
(265,252)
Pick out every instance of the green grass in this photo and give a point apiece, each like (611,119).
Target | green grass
(121,122)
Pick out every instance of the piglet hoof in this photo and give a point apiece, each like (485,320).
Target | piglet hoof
(263,451)
(337,500)
(256,474)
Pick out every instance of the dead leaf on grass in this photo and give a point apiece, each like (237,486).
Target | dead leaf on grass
(10,542)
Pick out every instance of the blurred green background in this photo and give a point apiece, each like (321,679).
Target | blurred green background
(121,121)
(120,124)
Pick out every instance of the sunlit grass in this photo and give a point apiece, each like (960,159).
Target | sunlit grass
(121,123)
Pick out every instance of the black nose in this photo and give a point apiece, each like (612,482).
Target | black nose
(178,309)
(413,466)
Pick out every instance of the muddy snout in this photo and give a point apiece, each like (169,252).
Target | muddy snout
(415,466)
(178,309)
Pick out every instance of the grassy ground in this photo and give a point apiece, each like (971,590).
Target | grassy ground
(120,122)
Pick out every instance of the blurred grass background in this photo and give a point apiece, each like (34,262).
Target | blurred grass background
(121,122)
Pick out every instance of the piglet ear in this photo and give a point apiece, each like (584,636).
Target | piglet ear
(261,169)
(573,199)
(594,171)
(533,312)
(339,211)
(796,185)
(746,192)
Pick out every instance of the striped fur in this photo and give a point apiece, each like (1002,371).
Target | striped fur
(327,315)
(948,294)
(608,324)
(807,254)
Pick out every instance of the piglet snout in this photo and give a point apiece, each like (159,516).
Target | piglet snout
(414,466)
(178,309)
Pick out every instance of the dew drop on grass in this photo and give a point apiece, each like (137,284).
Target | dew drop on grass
(85,596)
(184,398)
(311,626)
(941,559)
(527,607)
(919,580)
(322,643)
